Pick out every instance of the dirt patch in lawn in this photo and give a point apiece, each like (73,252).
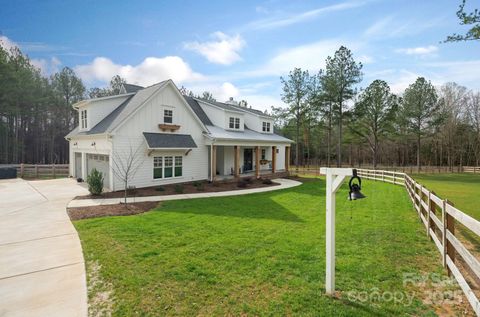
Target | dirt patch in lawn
(77,213)
(187,188)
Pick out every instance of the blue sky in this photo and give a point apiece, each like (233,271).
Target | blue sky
(241,48)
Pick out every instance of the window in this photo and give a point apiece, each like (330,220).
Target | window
(83,119)
(168,172)
(167,166)
(157,167)
(266,126)
(167,116)
(263,154)
(178,166)
(234,123)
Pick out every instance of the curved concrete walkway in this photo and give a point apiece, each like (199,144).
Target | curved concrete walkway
(284,183)
(42,271)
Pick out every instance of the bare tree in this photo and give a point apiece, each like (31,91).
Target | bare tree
(126,165)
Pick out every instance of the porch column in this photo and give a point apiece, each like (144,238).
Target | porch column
(274,159)
(236,160)
(257,162)
(287,158)
(214,162)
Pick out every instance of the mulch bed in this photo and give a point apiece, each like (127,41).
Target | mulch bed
(77,213)
(184,188)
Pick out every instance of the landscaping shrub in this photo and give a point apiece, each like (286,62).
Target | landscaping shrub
(247,179)
(95,182)
(201,187)
(196,183)
(242,183)
(267,181)
(179,189)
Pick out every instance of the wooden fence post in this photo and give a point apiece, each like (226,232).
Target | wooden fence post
(394,178)
(36,170)
(449,226)
(53,170)
(428,215)
(22,170)
(420,199)
(383,176)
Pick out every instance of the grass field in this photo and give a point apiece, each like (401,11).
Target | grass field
(462,189)
(261,254)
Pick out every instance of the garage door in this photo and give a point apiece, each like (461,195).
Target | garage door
(99,162)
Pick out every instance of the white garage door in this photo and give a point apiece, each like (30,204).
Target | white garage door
(99,162)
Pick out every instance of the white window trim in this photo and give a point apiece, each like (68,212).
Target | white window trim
(164,110)
(174,165)
(234,121)
(83,119)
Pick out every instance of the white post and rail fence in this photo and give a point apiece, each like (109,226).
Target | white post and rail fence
(439,216)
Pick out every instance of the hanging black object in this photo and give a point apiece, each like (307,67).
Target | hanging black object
(354,192)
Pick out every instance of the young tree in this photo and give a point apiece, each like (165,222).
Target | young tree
(471,18)
(295,94)
(126,164)
(373,115)
(419,109)
(341,75)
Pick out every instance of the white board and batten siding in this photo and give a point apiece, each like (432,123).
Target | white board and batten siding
(146,119)
(97,110)
(101,146)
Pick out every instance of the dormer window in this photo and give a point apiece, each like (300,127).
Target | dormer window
(266,126)
(234,123)
(167,116)
(83,119)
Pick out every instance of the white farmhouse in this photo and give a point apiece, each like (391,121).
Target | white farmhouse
(172,138)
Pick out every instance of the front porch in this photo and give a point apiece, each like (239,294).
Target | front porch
(235,161)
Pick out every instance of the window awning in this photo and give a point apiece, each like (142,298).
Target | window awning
(169,141)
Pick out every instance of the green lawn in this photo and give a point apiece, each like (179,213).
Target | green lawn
(260,254)
(462,189)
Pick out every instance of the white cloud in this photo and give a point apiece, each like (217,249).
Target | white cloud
(421,50)
(309,57)
(220,91)
(47,66)
(276,22)
(150,71)
(6,43)
(223,49)
(391,27)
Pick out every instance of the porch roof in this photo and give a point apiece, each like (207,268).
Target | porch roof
(169,141)
(245,135)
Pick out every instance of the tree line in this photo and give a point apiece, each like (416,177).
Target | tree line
(36,111)
(424,125)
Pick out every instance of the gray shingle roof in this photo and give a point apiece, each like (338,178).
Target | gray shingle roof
(169,140)
(231,107)
(123,110)
(198,110)
(129,88)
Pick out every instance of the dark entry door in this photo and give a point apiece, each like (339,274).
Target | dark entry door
(247,160)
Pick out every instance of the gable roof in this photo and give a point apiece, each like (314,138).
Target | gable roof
(198,110)
(169,140)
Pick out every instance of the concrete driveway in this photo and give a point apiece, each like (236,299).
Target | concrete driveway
(42,270)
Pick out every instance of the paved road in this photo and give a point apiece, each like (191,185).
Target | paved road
(42,271)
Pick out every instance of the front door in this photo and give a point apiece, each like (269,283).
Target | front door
(247,160)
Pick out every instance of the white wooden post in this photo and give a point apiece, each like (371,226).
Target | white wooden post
(335,177)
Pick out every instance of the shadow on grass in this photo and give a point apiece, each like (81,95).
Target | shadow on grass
(248,206)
